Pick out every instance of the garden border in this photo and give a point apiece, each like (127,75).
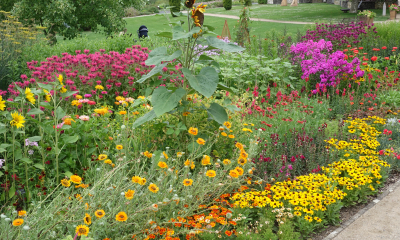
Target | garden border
(346,224)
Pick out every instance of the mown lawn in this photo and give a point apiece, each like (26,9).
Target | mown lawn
(305,12)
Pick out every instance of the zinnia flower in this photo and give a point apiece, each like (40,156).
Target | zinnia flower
(18,120)
(84,118)
(153,188)
(121,217)
(82,229)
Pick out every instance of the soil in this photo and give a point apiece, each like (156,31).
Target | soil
(348,212)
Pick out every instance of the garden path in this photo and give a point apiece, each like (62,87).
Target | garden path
(379,220)
(256,19)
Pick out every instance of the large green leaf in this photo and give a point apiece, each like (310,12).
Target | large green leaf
(205,83)
(71,139)
(35,138)
(217,43)
(153,72)
(145,118)
(223,87)
(218,113)
(160,54)
(164,100)
(48,87)
(35,111)
(164,34)
(179,33)
(60,113)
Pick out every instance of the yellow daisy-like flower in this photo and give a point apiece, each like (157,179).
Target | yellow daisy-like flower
(121,217)
(205,160)
(78,97)
(239,170)
(102,157)
(135,179)
(29,95)
(18,120)
(18,222)
(76,103)
(142,181)
(193,131)
(87,219)
(185,114)
(76,179)
(242,161)
(233,173)
(165,155)
(99,213)
(147,154)
(63,90)
(201,141)
(60,78)
(2,104)
(226,161)
(129,194)
(153,188)
(122,112)
(65,182)
(211,173)
(187,182)
(101,111)
(48,95)
(99,87)
(119,147)
(162,165)
(82,229)
(231,136)
(108,161)
(227,125)
(21,213)
(224,134)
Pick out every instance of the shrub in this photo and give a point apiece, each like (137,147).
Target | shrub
(248,3)
(131,12)
(227,4)
(262,1)
(176,4)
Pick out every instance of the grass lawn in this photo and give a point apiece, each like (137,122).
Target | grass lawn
(158,23)
(305,12)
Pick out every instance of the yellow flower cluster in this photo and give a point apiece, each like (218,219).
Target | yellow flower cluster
(29,95)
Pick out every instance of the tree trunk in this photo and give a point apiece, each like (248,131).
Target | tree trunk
(354,6)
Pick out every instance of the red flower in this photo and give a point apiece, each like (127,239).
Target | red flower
(384,47)
(386,58)
(374,58)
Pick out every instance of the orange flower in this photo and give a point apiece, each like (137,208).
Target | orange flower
(201,141)
(211,173)
(193,131)
(162,165)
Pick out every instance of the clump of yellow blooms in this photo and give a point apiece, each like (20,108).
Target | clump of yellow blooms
(309,194)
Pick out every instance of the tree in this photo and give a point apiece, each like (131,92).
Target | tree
(248,3)
(176,4)
(227,4)
(7,5)
(68,17)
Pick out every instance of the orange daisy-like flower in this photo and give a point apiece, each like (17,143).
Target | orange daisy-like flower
(142,181)
(239,145)
(147,154)
(121,217)
(193,131)
(21,213)
(153,188)
(87,219)
(224,134)
(233,173)
(99,213)
(119,147)
(76,179)
(82,230)
(205,160)
(18,222)
(185,114)
(198,15)
(68,121)
(242,161)
(211,173)
(187,182)
(165,155)
(162,165)
(129,194)
(227,124)
(201,141)
(239,170)
(135,179)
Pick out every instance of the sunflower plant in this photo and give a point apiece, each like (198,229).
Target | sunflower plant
(199,72)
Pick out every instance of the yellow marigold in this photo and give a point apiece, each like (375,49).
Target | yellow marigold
(76,179)
(99,87)
(211,173)
(147,154)
(102,157)
(162,165)
(119,147)
(233,173)
(22,213)
(122,112)
(65,182)
(201,141)
(99,213)
(129,194)
(101,111)
(68,121)
(82,230)
(18,120)
(227,124)
(205,160)
(187,182)
(87,219)
(193,131)
(153,188)
(76,103)
(18,222)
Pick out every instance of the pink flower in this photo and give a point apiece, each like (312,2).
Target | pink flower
(87,95)
(92,103)
(84,118)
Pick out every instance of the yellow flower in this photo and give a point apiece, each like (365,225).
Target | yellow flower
(147,154)
(239,170)
(227,124)
(224,134)
(153,188)
(68,121)
(121,217)
(135,179)
(60,78)
(162,165)
(102,157)
(226,161)
(87,219)
(21,213)
(185,114)
(201,141)
(119,147)
(242,161)
(101,111)
(211,173)
(165,155)
(76,179)
(233,173)
(99,213)
(82,229)
(65,182)
(30,96)
(205,160)
(18,222)
(187,182)
(2,104)
(18,120)
(239,146)
(87,206)
(99,87)
(142,181)
(129,194)
(48,95)
(63,90)
(231,136)
(78,97)
(108,161)
(122,112)
(75,103)
(193,131)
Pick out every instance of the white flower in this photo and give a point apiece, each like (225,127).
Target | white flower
(3,216)
(122,194)
(7,219)
(123,127)
(98,169)
(26,227)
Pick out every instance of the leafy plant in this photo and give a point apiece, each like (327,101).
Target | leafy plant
(227,4)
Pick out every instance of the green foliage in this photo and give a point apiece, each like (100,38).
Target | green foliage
(248,3)
(227,4)
(242,27)
(67,17)
(391,97)
(176,7)
(262,1)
